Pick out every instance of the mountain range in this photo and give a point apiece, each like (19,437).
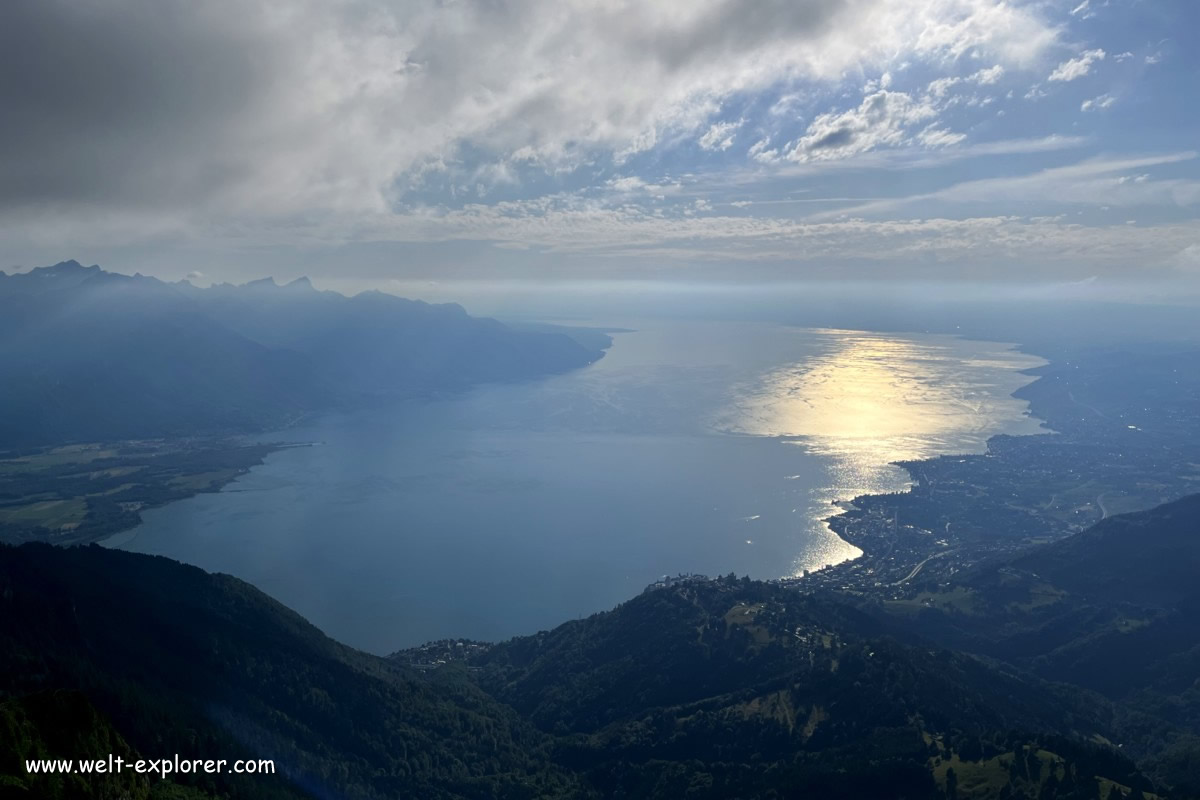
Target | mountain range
(91,355)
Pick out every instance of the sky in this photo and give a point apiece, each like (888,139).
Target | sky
(396,143)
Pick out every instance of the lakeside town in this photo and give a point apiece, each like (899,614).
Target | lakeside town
(1107,451)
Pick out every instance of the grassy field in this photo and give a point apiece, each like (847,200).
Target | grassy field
(205,481)
(55,515)
(987,780)
(747,617)
(56,457)
(959,599)
(87,492)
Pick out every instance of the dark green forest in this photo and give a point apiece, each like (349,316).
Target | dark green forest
(706,689)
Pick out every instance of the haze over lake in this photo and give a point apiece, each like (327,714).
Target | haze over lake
(702,447)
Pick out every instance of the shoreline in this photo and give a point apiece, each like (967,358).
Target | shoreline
(118,481)
(123,537)
(850,524)
(1093,456)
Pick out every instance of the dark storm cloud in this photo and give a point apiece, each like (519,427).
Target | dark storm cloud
(839,138)
(738,27)
(128,101)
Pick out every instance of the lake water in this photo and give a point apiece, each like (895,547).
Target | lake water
(691,447)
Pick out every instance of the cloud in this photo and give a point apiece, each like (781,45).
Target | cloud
(881,119)
(913,155)
(1094,182)
(630,183)
(134,105)
(604,130)
(939,137)
(988,76)
(720,135)
(1001,147)
(629,241)
(1098,103)
(884,81)
(939,87)
(1083,10)
(762,152)
(1188,259)
(189,113)
(1076,67)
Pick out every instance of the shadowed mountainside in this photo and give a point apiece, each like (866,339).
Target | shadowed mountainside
(89,355)
(162,658)
(707,688)
(1114,609)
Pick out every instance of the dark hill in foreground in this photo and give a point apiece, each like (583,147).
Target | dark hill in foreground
(169,659)
(720,689)
(1114,609)
(704,689)
(737,688)
(1149,558)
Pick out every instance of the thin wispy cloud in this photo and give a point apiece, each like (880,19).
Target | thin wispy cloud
(1098,103)
(1098,182)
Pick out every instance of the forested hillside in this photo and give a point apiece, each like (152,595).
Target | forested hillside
(168,659)
(1115,609)
(705,688)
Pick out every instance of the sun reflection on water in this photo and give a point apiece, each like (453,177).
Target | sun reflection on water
(866,400)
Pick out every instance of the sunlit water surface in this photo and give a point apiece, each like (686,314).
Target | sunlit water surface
(711,448)
(867,400)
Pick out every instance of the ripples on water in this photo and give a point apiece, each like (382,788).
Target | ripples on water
(865,400)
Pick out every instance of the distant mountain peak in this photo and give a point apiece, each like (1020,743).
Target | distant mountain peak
(69,266)
(63,275)
(301,283)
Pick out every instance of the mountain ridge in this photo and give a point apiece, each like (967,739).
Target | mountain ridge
(710,688)
(91,355)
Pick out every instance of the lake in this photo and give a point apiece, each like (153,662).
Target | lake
(691,447)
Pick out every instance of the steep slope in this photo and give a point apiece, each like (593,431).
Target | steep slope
(46,725)
(1115,608)
(710,689)
(739,688)
(376,344)
(175,660)
(1149,558)
(1128,584)
(89,355)
(108,357)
